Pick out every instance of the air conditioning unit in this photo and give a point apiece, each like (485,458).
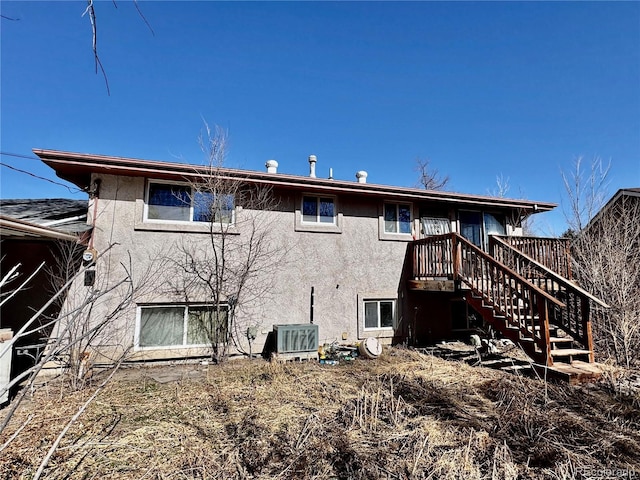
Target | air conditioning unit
(296,338)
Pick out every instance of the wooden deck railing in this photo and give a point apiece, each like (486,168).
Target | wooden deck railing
(434,257)
(575,318)
(553,253)
(525,307)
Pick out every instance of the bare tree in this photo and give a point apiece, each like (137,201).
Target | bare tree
(607,263)
(428,177)
(501,188)
(518,217)
(234,266)
(587,191)
(606,257)
(87,326)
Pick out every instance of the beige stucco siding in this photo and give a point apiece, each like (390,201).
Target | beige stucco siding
(343,268)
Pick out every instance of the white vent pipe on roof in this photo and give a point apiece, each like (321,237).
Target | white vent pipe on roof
(362,176)
(272,166)
(312,166)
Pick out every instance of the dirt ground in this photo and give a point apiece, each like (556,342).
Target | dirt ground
(404,415)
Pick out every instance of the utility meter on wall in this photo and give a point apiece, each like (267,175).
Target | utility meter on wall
(89,256)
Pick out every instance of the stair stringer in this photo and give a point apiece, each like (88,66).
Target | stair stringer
(507,326)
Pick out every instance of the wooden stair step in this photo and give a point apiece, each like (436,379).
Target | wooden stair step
(568,352)
(561,340)
(573,373)
(514,368)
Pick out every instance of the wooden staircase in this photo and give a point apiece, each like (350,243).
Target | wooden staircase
(527,302)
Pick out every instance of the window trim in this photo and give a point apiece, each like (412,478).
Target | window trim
(185,306)
(318,201)
(377,332)
(397,236)
(324,227)
(145,214)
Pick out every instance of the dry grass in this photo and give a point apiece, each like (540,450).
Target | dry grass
(405,415)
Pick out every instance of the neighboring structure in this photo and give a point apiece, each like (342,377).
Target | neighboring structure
(623,202)
(353,264)
(606,261)
(34,233)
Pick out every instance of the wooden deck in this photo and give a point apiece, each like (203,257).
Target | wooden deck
(573,373)
(527,302)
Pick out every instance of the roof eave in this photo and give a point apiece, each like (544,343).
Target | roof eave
(28,229)
(78,167)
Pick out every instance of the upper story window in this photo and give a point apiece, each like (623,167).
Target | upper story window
(318,209)
(317,213)
(397,218)
(173,202)
(435,226)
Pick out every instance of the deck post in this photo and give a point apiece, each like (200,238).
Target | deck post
(543,316)
(585,311)
(455,248)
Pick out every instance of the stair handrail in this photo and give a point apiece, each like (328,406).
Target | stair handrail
(454,238)
(576,317)
(523,304)
(557,251)
(506,268)
(493,239)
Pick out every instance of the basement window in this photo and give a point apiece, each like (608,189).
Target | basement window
(167,326)
(379,314)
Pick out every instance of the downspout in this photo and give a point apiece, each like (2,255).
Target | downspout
(94,194)
(313,298)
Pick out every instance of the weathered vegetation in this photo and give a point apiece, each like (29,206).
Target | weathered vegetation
(405,415)
(606,257)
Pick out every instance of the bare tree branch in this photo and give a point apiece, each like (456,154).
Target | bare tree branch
(235,265)
(135,3)
(501,188)
(586,191)
(606,256)
(429,178)
(94,35)
(75,417)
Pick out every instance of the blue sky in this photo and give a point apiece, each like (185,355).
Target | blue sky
(517,89)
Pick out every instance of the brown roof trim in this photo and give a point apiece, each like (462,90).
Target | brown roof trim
(78,167)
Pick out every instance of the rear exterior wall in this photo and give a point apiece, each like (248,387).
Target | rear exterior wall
(343,268)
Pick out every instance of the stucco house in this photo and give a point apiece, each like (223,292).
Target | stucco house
(360,259)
